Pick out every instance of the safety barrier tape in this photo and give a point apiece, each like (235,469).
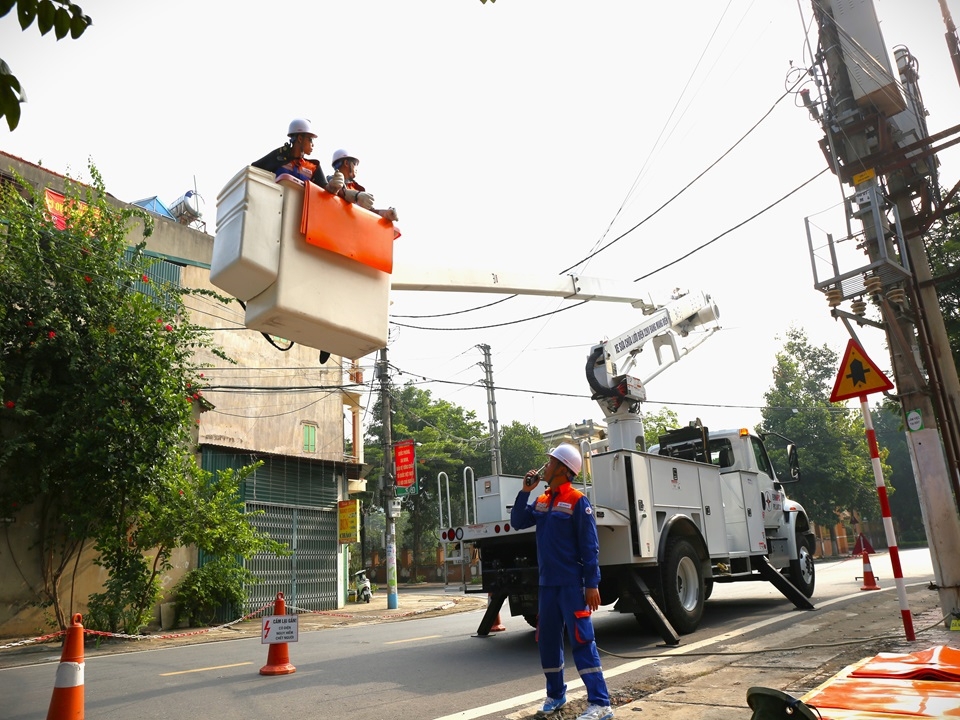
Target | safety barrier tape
(170,636)
(127,636)
(327,613)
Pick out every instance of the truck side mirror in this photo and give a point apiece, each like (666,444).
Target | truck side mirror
(793,463)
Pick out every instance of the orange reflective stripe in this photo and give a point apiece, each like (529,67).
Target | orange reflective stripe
(338,226)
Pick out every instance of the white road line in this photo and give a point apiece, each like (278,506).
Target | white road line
(484,710)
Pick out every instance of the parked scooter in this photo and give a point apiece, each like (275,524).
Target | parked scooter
(362,584)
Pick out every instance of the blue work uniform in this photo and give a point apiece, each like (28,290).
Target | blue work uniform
(568,556)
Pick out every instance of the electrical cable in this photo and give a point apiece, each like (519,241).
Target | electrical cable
(735,227)
(456,312)
(503,324)
(688,185)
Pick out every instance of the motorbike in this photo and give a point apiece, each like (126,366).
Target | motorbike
(362,585)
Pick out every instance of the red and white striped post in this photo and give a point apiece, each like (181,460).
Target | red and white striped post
(887,520)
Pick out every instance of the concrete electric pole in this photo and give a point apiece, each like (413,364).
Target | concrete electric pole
(496,462)
(391,503)
(877,142)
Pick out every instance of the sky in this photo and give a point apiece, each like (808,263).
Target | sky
(511,137)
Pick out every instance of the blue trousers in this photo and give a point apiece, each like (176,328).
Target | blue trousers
(564,606)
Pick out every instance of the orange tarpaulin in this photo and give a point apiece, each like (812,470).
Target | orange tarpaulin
(918,698)
(349,230)
(937,663)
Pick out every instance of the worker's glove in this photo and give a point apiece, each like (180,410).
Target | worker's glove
(336,183)
(389,214)
(365,200)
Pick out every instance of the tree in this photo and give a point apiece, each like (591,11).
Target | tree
(943,251)
(61,16)
(655,424)
(834,457)
(521,448)
(448,439)
(98,383)
(905,502)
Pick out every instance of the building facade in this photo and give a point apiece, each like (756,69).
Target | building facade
(277,404)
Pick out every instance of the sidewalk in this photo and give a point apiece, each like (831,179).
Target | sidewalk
(410,604)
(794,659)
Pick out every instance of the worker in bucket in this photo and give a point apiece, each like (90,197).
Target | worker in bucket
(568,554)
(346,164)
(290,158)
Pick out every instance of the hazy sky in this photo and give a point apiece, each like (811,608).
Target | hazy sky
(515,137)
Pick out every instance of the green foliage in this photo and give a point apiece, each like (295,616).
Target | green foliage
(61,16)
(203,590)
(656,423)
(449,439)
(126,604)
(836,472)
(905,502)
(943,251)
(97,381)
(521,448)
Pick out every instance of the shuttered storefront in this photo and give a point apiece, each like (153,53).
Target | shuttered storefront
(298,500)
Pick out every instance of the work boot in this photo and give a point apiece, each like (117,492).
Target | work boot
(554,704)
(597,712)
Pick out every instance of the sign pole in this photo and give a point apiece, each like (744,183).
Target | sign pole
(859,377)
(887,519)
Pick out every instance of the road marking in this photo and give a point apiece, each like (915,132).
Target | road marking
(215,667)
(513,702)
(425,637)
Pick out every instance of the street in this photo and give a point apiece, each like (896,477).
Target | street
(421,668)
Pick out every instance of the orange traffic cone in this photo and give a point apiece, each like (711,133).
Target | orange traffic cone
(497,625)
(278,656)
(869,581)
(67,700)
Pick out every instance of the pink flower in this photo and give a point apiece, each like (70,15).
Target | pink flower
(145,278)
(9,404)
(159,321)
(51,334)
(29,323)
(88,278)
(168,327)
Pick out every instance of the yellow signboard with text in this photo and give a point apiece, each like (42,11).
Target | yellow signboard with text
(348,513)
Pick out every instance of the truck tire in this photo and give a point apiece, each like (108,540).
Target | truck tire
(682,589)
(802,570)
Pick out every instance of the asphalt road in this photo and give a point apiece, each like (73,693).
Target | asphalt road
(426,667)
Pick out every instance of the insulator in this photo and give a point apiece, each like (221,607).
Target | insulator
(859,307)
(897,296)
(834,297)
(872,285)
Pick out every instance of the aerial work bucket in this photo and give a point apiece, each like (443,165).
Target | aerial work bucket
(331,284)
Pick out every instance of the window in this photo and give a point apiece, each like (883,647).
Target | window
(309,438)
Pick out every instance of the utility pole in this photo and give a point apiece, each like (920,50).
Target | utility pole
(496,463)
(389,489)
(865,118)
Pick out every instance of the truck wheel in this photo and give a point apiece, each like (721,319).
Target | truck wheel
(531,620)
(707,588)
(683,594)
(802,570)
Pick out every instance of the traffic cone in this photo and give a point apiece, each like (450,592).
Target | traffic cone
(497,625)
(869,581)
(278,656)
(67,700)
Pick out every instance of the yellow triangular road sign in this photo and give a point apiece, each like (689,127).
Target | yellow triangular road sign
(858,375)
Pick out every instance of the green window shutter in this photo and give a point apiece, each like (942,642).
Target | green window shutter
(309,438)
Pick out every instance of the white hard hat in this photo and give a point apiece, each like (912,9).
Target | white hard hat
(300,126)
(569,456)
(342,154)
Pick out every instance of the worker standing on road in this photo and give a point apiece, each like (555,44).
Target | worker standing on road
(290,158)
(346,164)
(568,554)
